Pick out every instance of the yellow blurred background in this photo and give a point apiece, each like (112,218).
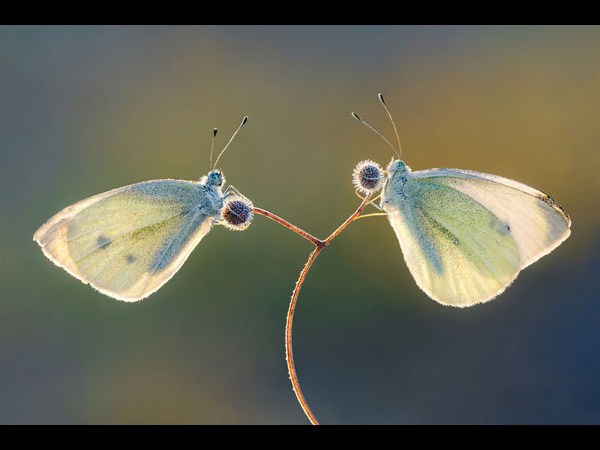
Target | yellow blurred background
(88,109)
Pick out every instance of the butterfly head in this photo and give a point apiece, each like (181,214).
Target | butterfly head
(398,174)
(397,166)
(215,178)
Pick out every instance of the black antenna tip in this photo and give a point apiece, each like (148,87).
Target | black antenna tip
(356,116)
(380,95)
(215,132)
(244,120)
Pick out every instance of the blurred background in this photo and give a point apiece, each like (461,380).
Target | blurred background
(87,109)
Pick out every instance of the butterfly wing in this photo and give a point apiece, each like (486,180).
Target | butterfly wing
(130,241)
(466,235)
(538,223)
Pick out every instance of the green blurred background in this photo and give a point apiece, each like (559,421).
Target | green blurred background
(87,109)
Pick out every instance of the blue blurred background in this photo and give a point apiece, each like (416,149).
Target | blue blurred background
(87,109)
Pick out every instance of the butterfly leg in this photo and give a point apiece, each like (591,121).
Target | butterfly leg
(231,189)
(371,215)
(370,201)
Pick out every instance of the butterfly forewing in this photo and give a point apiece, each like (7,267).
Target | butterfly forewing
(465,236)
(536,221)
(130,241)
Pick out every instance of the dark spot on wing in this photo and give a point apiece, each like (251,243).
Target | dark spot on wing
(130,259)
(103,242)
(502,228)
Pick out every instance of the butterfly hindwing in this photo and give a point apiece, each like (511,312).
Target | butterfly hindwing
(130,241)
(451,262)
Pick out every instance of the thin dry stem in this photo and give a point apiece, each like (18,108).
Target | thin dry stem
(289,354)
(289,323)
(288,225)
(349,220)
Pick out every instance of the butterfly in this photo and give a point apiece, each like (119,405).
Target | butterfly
(465,235)
(128,242)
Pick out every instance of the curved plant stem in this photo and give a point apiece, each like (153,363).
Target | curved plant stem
(289,354)
(289,322)
(319,246)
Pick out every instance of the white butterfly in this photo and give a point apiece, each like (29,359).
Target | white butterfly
(130,241)
(465,235)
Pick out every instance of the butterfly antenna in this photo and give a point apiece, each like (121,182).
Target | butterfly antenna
(212,145)
(357,117)
(399,152)
(244,120)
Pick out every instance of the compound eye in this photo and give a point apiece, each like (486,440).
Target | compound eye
(215,178)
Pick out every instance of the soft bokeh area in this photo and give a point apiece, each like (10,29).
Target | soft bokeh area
(87,109)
